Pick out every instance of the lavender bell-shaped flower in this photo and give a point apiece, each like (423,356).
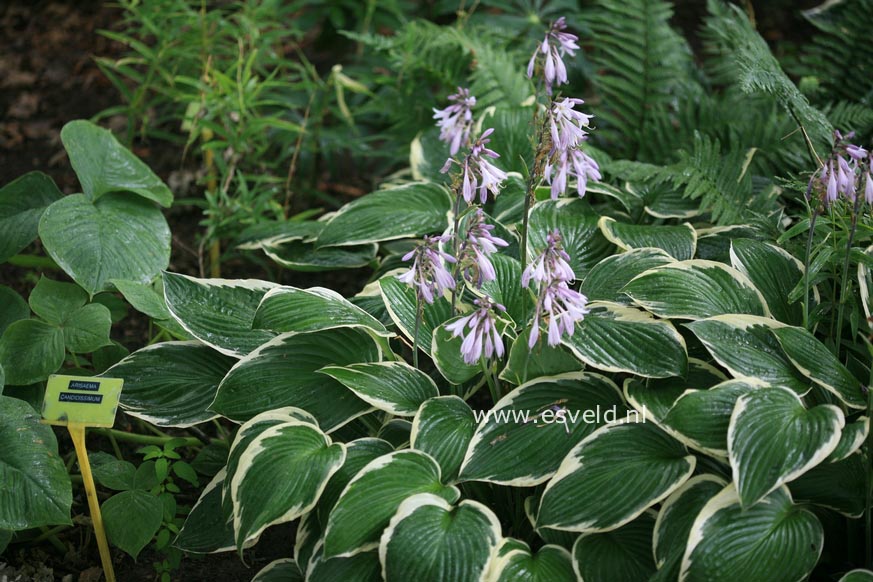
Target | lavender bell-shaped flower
(479,174)
(482,336)
(555,45)
(428,274)
(456,120)
(476,249)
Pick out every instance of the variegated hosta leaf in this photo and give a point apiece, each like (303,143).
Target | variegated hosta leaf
(284,570)
(445,350)
(397,432)
(620,555)
(289,309)
(171,383)
(395,387)
(700,418)
(854,435)
(577,222)
(279,475)
(526,363)
(307,539)
(679,242)
(774,272)
(362,567)
(443,428)
(744,345)
(507,289)
(664,201)
(370,499)
(524,438)
(817,363)
(714,244)
(218,312)
(428,539)
(772,540)
(606,280)
(515,561)
(616,338)
(297,255)
(209,526)
(284,372)
(865,283)
(774,439)
(613,476)
(840,486)
(695,290)
(655,397)
(403,212)
(675,519)
(402,306)
(359,453)
(857,575)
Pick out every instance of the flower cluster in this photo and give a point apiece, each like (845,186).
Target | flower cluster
(456,120)
(559,305)
(477,246)
(428,273)
(840,176)
(482,335)
(566,158)
(478,173)
(555,45)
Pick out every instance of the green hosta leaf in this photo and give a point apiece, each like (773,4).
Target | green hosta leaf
(774,439)
(36,487)
(577,223)
(103,165)
(443,428)
(30,350)
(395,387)
(620,555)
(171,383)
(283,570)
(445,349)
(865,282)
(116,237)
(606,280)
(817,363)
(675,520)
(308,538)
(515,561)
(218,312)
(523,439)
(615,338)
(372,497)
(700,418)
(428,539)
(12,308)
(22,203)
(87,328)
(402,306)
(208,527)
(362,567)
(854,435)
(132,518)
(507,290)
(288,309)
(612,476)
(745,346)
(407,211)
(774,272)
(840,486)
(857,575)
(279,476)
(55,301)
(359,453)
(396,431)
(654,397)
(772,540)
(670,203)
(297,255)
(679,242)
(284,372)
(526,364)
(143,297)
(695,290)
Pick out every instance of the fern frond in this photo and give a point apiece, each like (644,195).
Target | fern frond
(848,117)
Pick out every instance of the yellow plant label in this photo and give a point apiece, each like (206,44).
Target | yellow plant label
(81,400)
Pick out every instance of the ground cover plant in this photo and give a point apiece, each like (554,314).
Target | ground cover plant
(620,338)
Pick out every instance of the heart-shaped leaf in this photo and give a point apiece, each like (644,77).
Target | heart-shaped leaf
(516,561)
(774,272)
(607,278)
(208,527)
(402,305)
(443,428)
(30,350)
(679,242)
(286,309)
(395,387)
(620,555)
(22,203)
(131,519)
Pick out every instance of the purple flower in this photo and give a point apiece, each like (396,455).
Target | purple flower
(868,182)
(555,45)
(565,124)
(553,264)
(482,336)
(478,174)
(456,120)
(428,274)
(567,164)
(841,176)
(478,245)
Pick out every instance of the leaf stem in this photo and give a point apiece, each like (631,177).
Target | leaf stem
(845,287)
(143,439)
(809,238)
(419,313)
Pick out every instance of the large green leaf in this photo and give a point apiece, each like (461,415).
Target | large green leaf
(774,439)
(362,567)
(526,363)
(289,309)
(218,312)
(443,428)
(774,272)
(403,212)
(620,555)
(840,486)
(428,539)
(577,223)
(87,328)
(103,165)
(12,308)
(524,438)
(695,290)
(606,280)
(359,453)
(613,476)
(369,501)
(515,561)
(131,519)
(284,372)
(506,289)
(744,345)
(282,570)
(30,350)
(36,488)
(22,203)
(144,298)
(400,300)
(772,540)
(116,237)
(171,383)
(680,242)
(55,301)
(655,397)
(298,255)
(445,349)
(208,527)
(395,387)
(616,338)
